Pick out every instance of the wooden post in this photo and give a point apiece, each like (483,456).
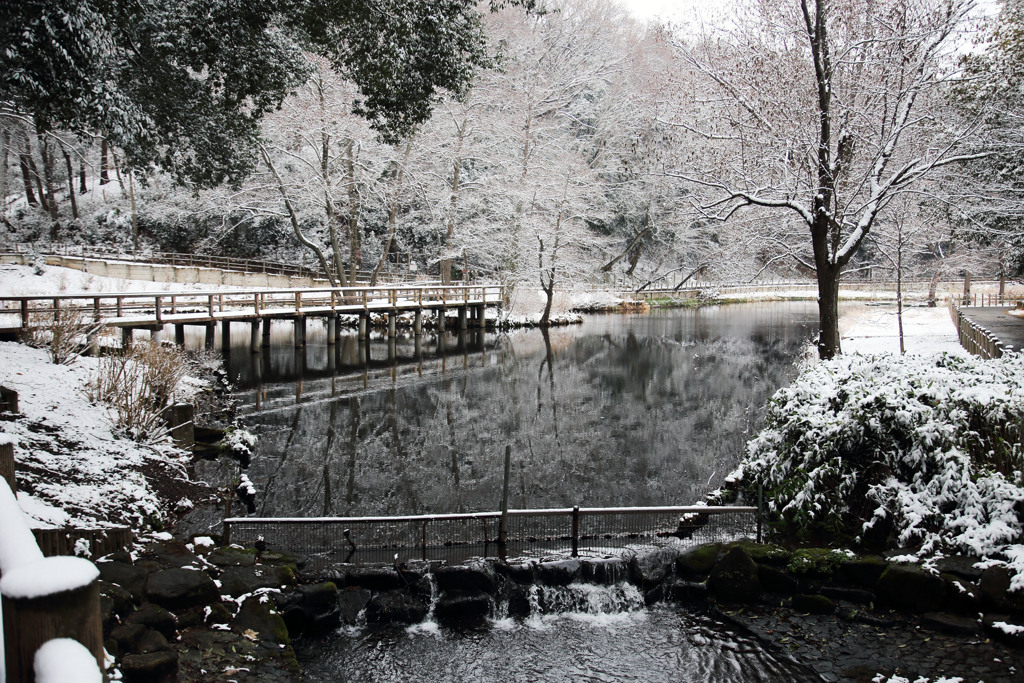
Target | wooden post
(417,323)
(7,461)
(211,336)
(503,523)
(462,318)
(967,289)
(179,334)
(24,313)
(575,530)
(126,337)
(332,327)
(266,331)
(392,324)
(254,336)
(364,326)
(481,312)
(300,330)
(69,607)
(158,305)
(225,334)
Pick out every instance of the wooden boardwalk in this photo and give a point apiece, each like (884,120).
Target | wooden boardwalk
(988,331)
(153,310)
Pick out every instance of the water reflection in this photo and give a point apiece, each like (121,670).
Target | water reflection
(623,410)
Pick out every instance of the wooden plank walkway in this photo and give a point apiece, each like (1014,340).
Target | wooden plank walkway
(152,310)
(1006,328)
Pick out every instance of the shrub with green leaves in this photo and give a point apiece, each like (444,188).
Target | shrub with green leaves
(907,451)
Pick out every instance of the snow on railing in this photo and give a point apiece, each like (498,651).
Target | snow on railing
(29,582)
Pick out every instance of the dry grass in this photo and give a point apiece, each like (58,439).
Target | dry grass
(138,386)
(63,332)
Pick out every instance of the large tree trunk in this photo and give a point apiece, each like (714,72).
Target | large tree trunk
(71,182)
(828,313)
(104,163)
(392,215)
(26,174)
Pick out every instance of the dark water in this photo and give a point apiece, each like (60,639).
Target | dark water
(655,645)
(623,410)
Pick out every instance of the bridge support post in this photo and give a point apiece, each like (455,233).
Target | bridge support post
(155,334)
(417,323)
(225,334)
(332,330)
(266,331)
(126,337)
(364,326)
(481,316)
(211,336)
(179,334)
(392,324)
(300,331)
(462,318)
(442,315)
(254,336)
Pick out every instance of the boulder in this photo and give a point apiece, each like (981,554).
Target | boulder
(179,588)
(910,587)
(151,667)
(1004,629)
(559,573)
(395,607)
(463,608)
(521,573)
(995,590)
(231,557)
(238,581)
(126,637)
(650,569)
(734,577)
(257,620)
(312,608)
(154,617)
(962,597)
(686,592)
(775,580)
(698,561)
(115,603)
(949,623)
(126,575)
(374,578)
(861,571)
(479,577)
(351,602)
(858,596)
(813,604)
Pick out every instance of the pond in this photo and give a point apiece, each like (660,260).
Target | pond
(623,410)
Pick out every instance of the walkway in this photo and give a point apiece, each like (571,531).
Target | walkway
(1008,329)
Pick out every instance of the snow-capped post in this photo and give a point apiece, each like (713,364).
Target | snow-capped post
(575,530)
(7,460)
(503,523)
(47,597)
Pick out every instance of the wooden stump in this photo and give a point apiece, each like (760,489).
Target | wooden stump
(71,613)
(7,464)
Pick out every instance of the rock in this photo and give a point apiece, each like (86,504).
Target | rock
(219,614)
(312,608)
(152,667)
(115,602)
(1004,629)
(949,623)
(232,557)
(776,581)
(125,575)
(478,577)
(734,577)
(962,597)
(960,566)
(857,596)
(521,573)
(196,616)
(154,617)
(560,573)
(995,590)
(910,587)
(374,578)
(519,604)
(650,569)
(172,553)
(395,607)
(351,602)
(813,604)
(238,581)
(698,561)
(687,592)
(764,553)
(179,588)
(605,571)
(126,637)
(152,641)
(861,571)
(257,620)
(463,608)
(816,563)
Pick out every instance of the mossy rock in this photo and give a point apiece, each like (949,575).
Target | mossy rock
(698,561)
(816,562)
(765,553)
(734,577)
(232,557)
(813,604)
(862,571)
(257,619)
(910,587)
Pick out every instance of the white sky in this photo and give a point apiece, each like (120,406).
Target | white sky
(679,11)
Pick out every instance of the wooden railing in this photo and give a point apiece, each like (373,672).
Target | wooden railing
(149,308)
(973,337)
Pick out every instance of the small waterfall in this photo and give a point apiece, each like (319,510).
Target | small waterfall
(429,624)
(586,598)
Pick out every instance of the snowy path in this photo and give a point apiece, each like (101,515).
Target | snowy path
(870,329)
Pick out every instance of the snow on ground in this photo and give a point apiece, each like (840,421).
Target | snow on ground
(72,469)
(27,281)
(868,329)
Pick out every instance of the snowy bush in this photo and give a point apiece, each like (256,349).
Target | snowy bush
(63,333)
(239,443)
(138,387)
(888,450)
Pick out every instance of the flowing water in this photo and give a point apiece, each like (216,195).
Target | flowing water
(619,643)
(624,410)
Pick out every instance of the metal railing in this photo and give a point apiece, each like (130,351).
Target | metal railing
(454,537)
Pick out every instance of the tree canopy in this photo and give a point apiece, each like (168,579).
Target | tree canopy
(184,84)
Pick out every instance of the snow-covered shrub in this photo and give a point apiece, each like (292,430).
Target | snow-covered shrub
(238,443)
(138,386)
(908,451)
(62,332)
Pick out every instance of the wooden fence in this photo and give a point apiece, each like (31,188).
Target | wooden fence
(973,337)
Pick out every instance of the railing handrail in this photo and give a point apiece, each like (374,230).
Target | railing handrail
(532,512)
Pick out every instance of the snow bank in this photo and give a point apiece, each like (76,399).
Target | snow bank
(48,576)
(69,458)
(923,450)
(17,544)
(63,660)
